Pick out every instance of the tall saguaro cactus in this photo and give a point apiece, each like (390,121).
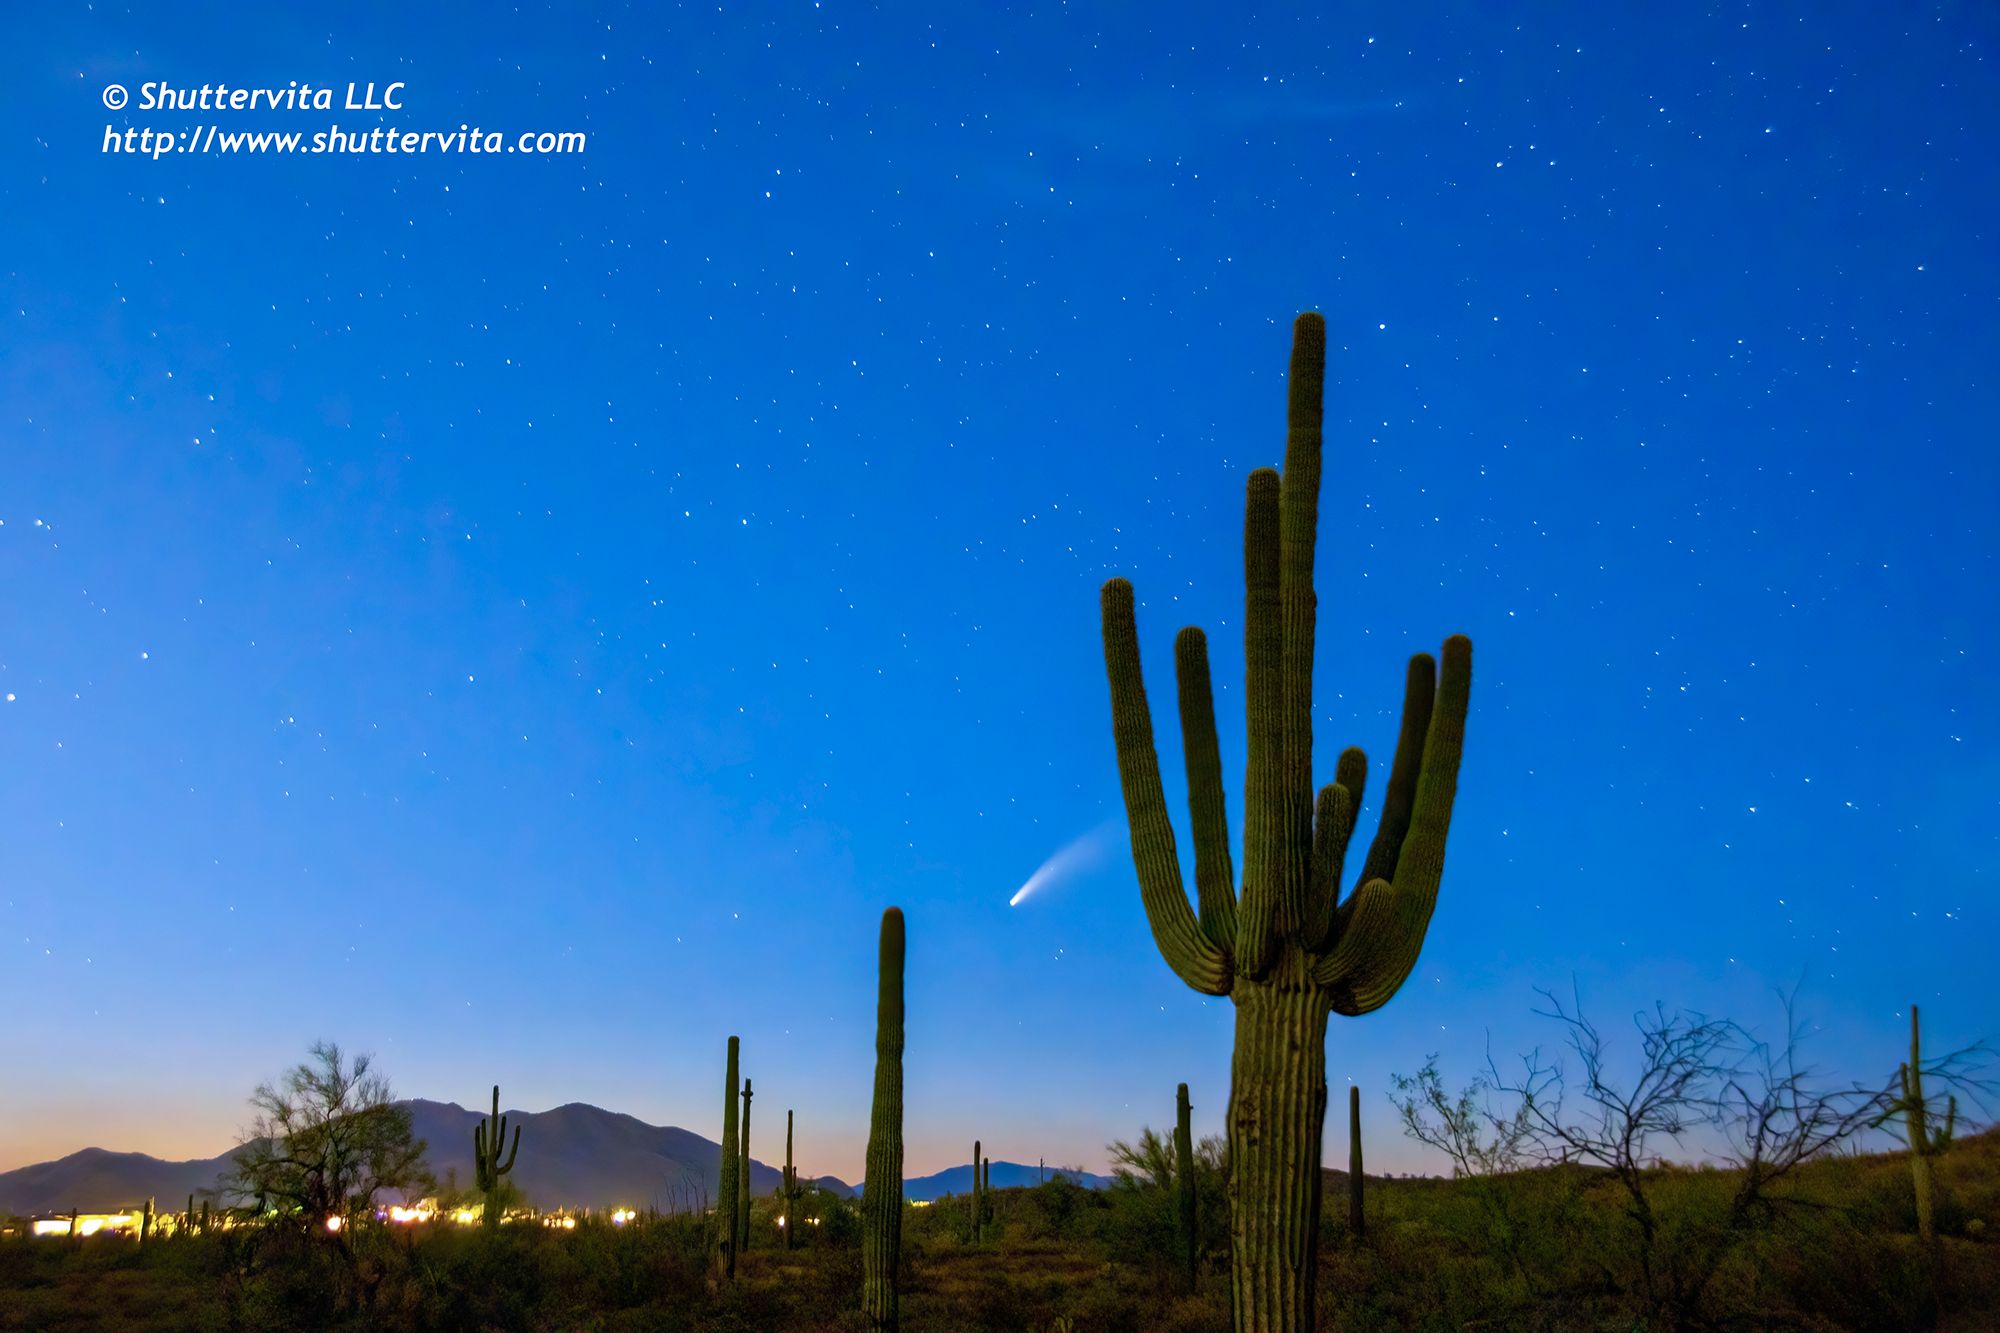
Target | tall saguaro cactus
(743,1178)
(1288,951)
(487,1168)
(1184,1168)
(725,1203)
(1922,1130)
(788,1187)
(882,1190)
(1357,1221)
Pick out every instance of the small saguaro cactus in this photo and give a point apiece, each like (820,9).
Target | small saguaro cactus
(978,1199)
(882,1190)
(725,1205)
(1289,952)
(743,1177)
(187,1218)
(1184,1169)
(204,1217)
(1357,1222)
(487,1168)
(1922,1130)
(146,1222)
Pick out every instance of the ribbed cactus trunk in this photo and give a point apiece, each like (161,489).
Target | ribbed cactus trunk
(985,1191)
(1184,1170)
(725,1202)
(1357,1220)
(487,1168)
(978,1196)
(743,1178)
(1290,950)
(1277,1110)
(882,1191)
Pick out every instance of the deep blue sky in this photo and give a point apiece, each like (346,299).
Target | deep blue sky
(526,616)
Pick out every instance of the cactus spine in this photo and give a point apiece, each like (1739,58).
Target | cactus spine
(978,1197)
(1288,952)
(882,1190)
(487,1168)
(1184,1168)
(725,1206)
(743,1178)
(1357,1222)
(1926,1137)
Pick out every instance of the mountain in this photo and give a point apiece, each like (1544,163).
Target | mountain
(575,1156)
(97,1180)
(1004,1175)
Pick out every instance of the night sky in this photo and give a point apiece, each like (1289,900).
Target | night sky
(525,616)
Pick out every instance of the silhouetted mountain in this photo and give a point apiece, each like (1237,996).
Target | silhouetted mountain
(575,1156)
(95,1180)
(1004,1175)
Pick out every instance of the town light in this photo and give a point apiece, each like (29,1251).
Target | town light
(333,1222)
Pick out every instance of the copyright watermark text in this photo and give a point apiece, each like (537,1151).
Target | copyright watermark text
(211,137)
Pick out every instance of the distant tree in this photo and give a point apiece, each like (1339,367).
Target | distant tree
(1148,1162)
(326,1140)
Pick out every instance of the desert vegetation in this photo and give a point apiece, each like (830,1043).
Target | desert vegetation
(1541,1247)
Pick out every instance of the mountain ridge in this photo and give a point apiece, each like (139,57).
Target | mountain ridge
(572,1156)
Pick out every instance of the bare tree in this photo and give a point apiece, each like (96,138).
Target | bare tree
(328,1137)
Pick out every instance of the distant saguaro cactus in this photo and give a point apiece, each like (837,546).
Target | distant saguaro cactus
(1357,1222)
(187,1219)
(146,1223)
(882,1190)
(487,1168)
(788,1188)
(1288,953)
(978,1196)
(743,1178)
(1926,1137)
(1184,1168)
(725,1205)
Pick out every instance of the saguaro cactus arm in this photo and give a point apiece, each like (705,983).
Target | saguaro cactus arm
(1380,930)
(1194,957)
(1214,868)
(1263,799)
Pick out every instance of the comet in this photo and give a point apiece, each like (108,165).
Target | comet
(1073,858)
